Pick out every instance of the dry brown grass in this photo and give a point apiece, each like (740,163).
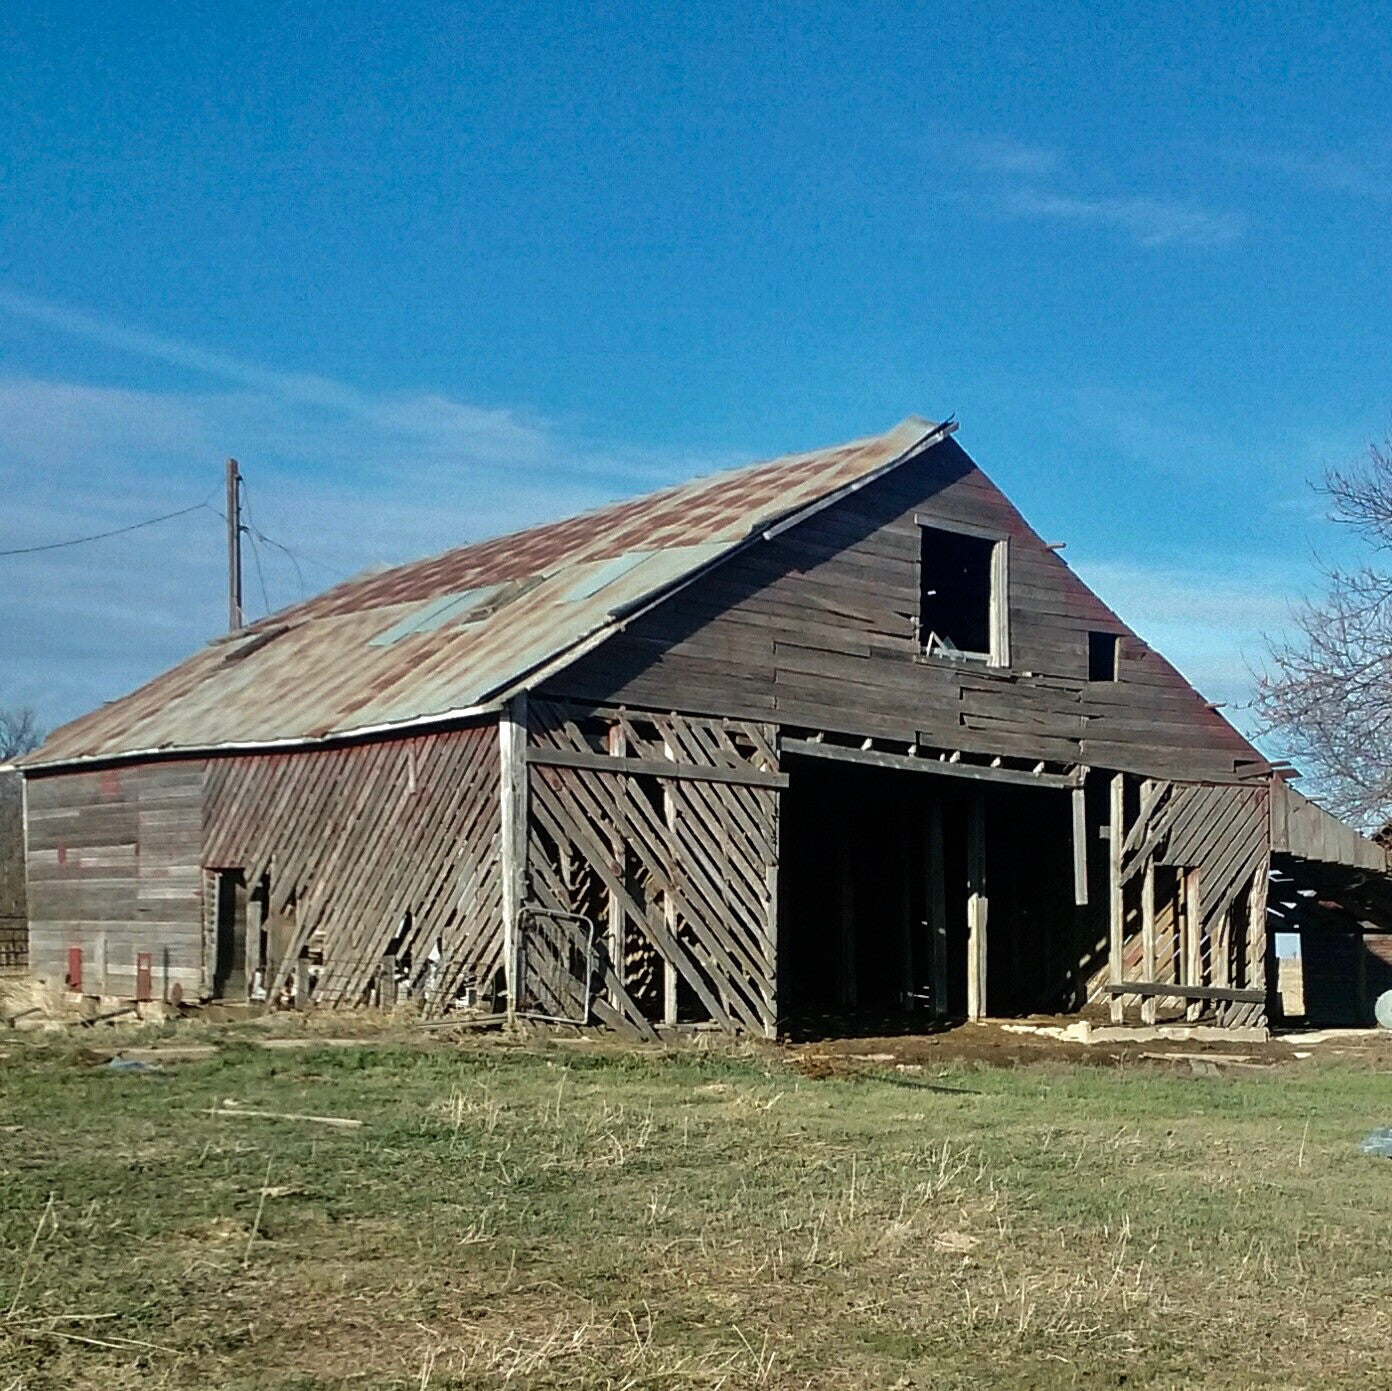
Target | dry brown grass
(549,1217)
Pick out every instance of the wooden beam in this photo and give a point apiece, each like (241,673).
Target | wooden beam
(614,930)
(669,907)
(655,767)
(976,907)
(1193,936)
(1148,936)
(1080,848)
(1168,989)
(874,758)
(1115,904)
(512,748)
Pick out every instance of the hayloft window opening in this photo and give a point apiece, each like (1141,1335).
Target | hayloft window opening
(1104,656)
(963,596)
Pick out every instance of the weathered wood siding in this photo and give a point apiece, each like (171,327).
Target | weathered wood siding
(659,835)
(352,840)
(818,628)
(14,915)
(114,870)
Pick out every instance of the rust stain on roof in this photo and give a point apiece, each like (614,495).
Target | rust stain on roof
(449,633)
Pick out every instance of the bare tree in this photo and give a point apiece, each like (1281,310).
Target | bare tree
(19,732)
(1328,692)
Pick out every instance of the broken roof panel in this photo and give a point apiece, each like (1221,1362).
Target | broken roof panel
(439,636)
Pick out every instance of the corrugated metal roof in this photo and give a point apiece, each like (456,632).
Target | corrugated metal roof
(426,640)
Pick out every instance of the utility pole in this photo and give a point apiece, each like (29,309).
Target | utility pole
(234,546)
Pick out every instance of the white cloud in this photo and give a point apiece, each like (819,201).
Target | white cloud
(345,478)
(1001,155)
(1150,222)
(1016,180)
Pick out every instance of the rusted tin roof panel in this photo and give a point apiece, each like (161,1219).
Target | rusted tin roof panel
(445,634)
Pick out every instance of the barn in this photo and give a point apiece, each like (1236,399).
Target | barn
(834,736)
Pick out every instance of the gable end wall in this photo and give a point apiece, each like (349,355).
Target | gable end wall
(818,628)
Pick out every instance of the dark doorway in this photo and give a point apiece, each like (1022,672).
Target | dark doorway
(858,949)
(230,936)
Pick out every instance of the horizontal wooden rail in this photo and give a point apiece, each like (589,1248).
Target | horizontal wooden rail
(1189,992)
(655,767)
(874,758)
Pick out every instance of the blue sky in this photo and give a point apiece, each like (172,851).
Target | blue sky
(434,271)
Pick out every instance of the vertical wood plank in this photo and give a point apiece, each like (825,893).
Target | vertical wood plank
(937,908)
(771,914)
(1080,847)
(617,741)
(1149,1003)
(669,906)
(512,748)
(976,907)
(1115,903)
(1193,938)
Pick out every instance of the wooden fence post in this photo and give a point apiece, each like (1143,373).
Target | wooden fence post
(512,748)
(976,907)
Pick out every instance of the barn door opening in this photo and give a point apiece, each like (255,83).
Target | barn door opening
(910,899)
(229,975)
(873,899)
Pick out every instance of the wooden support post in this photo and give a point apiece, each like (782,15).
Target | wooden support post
(1116,907)
(144,975)
(1148,937)
(97,985)
(1080,848)
(669,908)
(771,924)
(1193,938)
(1220,950)
(301,981)
(386,983)
(977,996)
(937,909)
(512,748)
(1255,947)
(618,852)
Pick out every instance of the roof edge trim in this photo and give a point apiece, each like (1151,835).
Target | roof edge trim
(288,745)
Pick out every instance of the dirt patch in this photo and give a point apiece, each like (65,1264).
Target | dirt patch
(991,1044)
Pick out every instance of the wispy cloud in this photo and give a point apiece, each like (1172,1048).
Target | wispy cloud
(1000,155)
(1019,181)
(343,477)
(1364,176)
(1149,222)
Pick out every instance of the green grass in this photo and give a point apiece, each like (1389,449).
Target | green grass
(582,1216)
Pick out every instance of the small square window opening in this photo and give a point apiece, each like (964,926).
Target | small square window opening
(1104,652)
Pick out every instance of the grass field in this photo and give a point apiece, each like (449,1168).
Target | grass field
(583,1216)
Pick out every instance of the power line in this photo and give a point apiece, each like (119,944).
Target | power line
(102,535)
(260,577)
(256,534)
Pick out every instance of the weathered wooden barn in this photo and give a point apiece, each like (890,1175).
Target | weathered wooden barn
(14,914)
(837,734)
